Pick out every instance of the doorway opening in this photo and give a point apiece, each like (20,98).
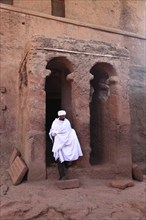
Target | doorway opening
(58,96)
(100,112)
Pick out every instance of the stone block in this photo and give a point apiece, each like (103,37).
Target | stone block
(15,153)
(137,173)
(35,155)
(122,184)
(68,184)
(17,170)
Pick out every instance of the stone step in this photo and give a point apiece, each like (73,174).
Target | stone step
(68,184)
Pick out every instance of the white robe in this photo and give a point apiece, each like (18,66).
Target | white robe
(66,146)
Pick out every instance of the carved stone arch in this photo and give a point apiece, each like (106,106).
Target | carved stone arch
(59,87)
(58,95)
(76,63)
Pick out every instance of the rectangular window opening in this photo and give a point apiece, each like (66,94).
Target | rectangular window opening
(58,8)
(8,2)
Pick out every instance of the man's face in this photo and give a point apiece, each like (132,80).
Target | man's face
(62,117)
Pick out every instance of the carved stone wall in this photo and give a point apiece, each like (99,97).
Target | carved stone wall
(17,28)
(79,58)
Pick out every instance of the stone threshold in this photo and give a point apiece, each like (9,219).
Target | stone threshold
(68,184)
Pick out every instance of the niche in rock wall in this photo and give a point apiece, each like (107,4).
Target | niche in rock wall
(99,112)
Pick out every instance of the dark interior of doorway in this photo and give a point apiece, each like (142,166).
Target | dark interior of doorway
(55,87)
(52,107)
(53,104)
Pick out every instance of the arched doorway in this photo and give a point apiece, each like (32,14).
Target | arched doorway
(100,113)
(58,96)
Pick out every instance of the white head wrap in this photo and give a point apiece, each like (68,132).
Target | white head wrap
(61,112)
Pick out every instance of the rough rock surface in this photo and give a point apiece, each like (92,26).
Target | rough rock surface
(137,172)
(94,199)
(122,184)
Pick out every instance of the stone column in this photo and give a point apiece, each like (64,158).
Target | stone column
(117,119)
(124,157)
(80,112)
(34,128)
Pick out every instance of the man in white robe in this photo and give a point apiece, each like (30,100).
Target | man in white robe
(66,146)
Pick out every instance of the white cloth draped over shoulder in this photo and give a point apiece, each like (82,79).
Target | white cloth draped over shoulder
(66,146)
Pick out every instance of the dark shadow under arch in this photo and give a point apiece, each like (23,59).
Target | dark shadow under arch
(58,95)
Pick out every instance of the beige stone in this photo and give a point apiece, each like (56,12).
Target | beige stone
(68,184)
(122,184)
(17,170)
(15,153)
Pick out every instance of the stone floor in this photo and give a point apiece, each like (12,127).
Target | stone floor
(94,199)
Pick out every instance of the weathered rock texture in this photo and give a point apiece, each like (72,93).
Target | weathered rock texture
(137,173)
(92,200)
(17,28)
(103,126)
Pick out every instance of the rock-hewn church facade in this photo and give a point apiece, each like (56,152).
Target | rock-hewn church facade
(87,57)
